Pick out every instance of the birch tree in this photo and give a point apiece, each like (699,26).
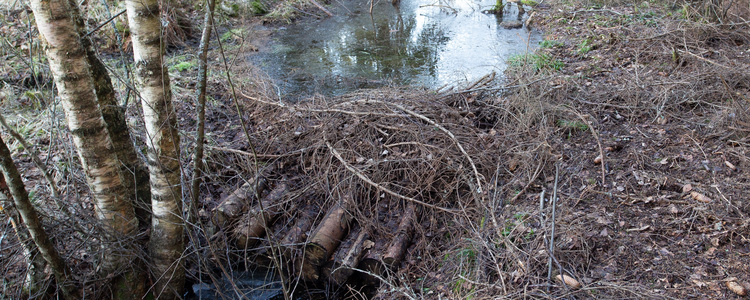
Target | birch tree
(166,242)
(35,263)
(33,225)
(134,171)
(72,74)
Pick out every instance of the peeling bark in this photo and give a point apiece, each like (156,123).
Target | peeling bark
(297,234)
(232,207)
(166,242)
(347,257)
(75,86)
(135,174)
(326,239)
(395,252)
(253,225)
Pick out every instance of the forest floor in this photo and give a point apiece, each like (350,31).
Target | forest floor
(636,115)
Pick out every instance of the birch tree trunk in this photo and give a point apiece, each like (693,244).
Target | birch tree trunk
(35,263)
(166,243)
(75,87)
(134,171)
(34,225)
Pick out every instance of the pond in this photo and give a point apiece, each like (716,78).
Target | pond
(430,43)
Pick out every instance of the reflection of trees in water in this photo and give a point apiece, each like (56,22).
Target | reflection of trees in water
(388,48)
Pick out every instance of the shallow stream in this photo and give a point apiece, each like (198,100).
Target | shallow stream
(428,43)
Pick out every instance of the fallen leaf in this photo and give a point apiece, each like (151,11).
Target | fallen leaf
(736,288)
(730,165)
(569,281)
(700,283)
(368,244)
(687,188)
(700,197)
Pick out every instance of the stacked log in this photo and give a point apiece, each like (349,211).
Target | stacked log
(372,266)
(378,261)
(395,252)
(325,239)
(297,234)
(232,207)
(291,242)
(347,257)
(253,225)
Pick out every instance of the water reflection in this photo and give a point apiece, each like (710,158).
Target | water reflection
(422,42)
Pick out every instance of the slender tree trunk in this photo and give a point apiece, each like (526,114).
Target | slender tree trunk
(201,107)
(166,243)
(75,86)
(34,225)
(134,174)
(134,171)
(35,265)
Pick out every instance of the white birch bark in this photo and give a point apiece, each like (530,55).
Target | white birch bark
(34,225)
(71,71)
(166,242)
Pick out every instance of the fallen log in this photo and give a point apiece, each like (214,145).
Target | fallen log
(372,267)
(297,234)
(253,225)
(233,206)
(325,239)
(395,252)
(347,257)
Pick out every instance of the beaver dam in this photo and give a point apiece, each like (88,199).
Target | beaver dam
(619,178)
(603,165)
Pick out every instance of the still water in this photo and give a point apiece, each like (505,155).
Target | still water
(428,43)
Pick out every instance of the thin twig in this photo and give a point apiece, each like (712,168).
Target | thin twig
(536,175)
(35,157)
(258,155)
(105,23)
(552,234)
(443,129)
(598,142)
(321,8)
(380,187)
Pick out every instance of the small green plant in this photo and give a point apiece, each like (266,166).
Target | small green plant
(539,61)
(231,34)
(550,44)
(586,46)
(572,125)
(184,66)
(258,8)
(529,235)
